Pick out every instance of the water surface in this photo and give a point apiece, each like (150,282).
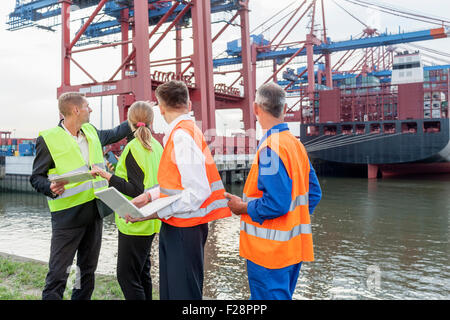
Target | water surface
(373,239)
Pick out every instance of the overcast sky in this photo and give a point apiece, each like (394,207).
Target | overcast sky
(30,58)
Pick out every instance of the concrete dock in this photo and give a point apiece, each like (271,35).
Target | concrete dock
(16,171)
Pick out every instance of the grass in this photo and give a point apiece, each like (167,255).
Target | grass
(21,280)
(24,280)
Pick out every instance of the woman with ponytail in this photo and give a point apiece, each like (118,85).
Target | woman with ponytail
(136,171)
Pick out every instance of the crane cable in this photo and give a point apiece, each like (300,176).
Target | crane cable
(264,22)
(434,51)
(396,13)
(441,20)
(350,14)
(362,139)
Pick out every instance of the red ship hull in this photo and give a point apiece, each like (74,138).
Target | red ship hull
(393,170)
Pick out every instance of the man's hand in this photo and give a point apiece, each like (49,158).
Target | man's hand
(96,171)
(128,218)
(58,187)
(110,166)
(141,200)
(236,204)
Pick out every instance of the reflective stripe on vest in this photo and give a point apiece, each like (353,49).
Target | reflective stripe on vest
(100,184)
(202,212)
(81,169)
(276,235)
(217,185)
(81,188)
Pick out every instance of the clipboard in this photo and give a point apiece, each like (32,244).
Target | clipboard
(73,177)
(122,206)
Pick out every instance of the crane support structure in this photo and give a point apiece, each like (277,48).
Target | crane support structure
(330,47)
(143,25)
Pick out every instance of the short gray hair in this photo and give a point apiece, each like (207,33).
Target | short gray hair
(272,98)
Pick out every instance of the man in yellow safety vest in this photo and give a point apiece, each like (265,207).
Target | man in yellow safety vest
(74,145)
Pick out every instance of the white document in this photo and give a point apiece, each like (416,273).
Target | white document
(122,206)
(73,177)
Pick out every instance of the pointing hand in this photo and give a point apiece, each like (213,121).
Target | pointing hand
(236,204)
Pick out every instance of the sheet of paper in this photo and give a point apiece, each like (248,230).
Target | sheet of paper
(122,206)
(158,204)
(118,203)
(73,177)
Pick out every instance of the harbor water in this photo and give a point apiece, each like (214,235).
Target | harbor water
(373,239)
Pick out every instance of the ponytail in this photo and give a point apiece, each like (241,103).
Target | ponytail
(140,118)
(144,135)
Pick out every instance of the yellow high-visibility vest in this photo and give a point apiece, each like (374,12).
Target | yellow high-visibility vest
(66,155)
(148,161)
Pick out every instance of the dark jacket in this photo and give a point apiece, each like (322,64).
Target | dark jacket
(135,184)
(84,214)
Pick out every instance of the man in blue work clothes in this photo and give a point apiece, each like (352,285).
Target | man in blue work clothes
(280,194)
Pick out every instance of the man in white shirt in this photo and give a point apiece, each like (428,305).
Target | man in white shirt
(191,164)
(186,168)
(82,142)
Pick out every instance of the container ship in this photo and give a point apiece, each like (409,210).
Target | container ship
(16,162)
(18,147)
(16,155)
(392,122)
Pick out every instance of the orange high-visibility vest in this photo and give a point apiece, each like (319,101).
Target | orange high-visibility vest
(286,240)
(169,178)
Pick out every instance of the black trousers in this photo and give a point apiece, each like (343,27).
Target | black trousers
(85,242)
(133,266)
(181,252)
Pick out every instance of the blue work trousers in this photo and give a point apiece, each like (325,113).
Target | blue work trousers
(272,284)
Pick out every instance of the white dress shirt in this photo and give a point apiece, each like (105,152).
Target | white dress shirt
(190,161)
(82,143)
